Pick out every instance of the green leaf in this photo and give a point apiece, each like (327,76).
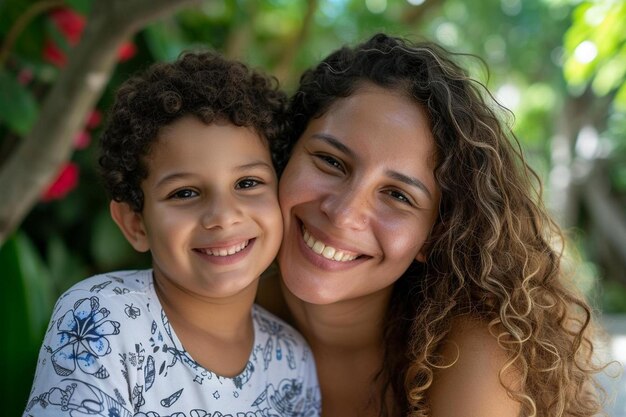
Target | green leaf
(18,108)
(26,300)
(109,248)
(66,268)
(165,40)
(81,6)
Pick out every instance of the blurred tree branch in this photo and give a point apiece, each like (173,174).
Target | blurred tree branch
(606,214)
(38,157)
(284,68)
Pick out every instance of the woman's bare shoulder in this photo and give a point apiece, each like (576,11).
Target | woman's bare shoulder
(471,384)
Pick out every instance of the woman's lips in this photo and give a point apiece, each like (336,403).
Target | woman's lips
(325,250)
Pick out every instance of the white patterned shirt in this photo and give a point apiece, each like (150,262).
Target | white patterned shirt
(110,351)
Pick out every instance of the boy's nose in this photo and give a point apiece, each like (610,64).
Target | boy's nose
(221,212)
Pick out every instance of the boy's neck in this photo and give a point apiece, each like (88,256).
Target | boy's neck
(217,333)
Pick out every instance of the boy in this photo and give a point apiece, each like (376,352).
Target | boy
(186,159)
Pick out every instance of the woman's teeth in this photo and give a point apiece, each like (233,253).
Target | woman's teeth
(326,251)
(227,251)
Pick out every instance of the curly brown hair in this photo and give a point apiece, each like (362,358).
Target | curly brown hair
(494,252)
(202,84)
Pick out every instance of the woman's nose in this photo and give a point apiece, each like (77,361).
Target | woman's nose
(221,211)
(347,208)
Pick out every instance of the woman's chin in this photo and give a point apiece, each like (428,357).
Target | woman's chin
(304,290)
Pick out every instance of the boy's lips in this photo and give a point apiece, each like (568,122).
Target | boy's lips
(219,255)
(225,250)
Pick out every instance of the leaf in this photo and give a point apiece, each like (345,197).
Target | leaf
(18,108)
(66,268)
(80,6)
(26,301)
(164,40)
(110,250)
(620,98)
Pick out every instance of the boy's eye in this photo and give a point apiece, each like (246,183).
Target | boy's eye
(183,194)
(247,183)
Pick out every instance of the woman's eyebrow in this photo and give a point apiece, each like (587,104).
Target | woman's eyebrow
(414,182)
(332,141)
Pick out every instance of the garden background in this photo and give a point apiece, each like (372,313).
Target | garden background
(559,65)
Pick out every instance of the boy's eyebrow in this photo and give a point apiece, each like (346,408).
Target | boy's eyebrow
(182,175)
(412,181)
(255,164)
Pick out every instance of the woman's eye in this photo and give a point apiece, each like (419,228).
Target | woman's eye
(183,194)
(329,160)
(247,183)
(400,196)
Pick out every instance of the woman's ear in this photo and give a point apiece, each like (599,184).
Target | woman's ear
(131,224)
(421,256)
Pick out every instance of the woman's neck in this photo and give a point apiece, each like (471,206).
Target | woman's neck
(351,325)
(347,342)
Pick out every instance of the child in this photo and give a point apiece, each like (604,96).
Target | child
(186,159)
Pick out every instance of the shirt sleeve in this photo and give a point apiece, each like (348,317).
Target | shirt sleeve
(81,367)
(311,384)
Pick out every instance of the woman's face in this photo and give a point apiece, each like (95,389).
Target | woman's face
(358,196)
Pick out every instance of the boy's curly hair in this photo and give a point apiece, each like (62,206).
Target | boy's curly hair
(202,84)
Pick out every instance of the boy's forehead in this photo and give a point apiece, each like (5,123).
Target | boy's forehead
(169,130)
(187,135)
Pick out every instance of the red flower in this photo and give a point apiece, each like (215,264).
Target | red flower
(71,26)
(94,119)
(53,54)
(66,181)
(126,51)
(70,23)
(82,139)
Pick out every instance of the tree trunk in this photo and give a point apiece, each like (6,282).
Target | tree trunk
(607,218)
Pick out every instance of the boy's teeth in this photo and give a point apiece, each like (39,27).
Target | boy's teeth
(227,251)
(327,252)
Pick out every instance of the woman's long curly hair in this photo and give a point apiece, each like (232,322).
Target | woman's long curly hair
(202,84)
(493,254)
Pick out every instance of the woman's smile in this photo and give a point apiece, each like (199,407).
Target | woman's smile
(325,250)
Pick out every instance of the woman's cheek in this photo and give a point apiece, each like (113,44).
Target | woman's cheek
(402,237)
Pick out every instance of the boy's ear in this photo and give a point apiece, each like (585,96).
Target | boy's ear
(131,224)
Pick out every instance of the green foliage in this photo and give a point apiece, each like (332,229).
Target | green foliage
(26,299)
(18,108)
(596,49)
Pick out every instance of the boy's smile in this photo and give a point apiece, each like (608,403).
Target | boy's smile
(211,214)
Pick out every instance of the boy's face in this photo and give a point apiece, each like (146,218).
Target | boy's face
(211,215)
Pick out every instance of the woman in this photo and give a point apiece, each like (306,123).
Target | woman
(417,260)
